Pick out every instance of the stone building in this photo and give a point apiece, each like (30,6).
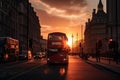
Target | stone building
(43,44)
(96,30)
(7,22)
(18,20)
(113,23)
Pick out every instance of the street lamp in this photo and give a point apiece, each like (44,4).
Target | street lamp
(72,42)
(27,15)
(117,32)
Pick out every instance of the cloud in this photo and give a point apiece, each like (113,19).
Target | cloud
(47,28)
(64,3)
(76,13)
(61,15)
(50,10)
(64,13)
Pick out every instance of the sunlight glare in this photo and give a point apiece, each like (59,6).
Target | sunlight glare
(70,41)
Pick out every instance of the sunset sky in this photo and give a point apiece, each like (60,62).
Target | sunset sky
(64,15)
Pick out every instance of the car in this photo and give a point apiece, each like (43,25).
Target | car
(23,56)
(43,54)
(37,55)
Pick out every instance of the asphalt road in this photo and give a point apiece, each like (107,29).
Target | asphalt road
(77,69)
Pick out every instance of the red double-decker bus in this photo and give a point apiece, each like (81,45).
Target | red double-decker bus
(9,49)
(57,48)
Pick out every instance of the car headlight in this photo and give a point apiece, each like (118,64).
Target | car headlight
(65,59)
(48,59)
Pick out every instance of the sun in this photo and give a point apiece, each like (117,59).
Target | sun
(70,41)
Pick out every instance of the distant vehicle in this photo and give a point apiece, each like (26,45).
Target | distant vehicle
(39,55)
(43,54)
(25,55)
(57,48)
(9,49)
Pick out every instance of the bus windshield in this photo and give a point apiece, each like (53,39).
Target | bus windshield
(56,37)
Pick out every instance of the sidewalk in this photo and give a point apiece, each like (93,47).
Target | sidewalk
(109,65)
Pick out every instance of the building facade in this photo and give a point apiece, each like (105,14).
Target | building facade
(113,23)
(96,30)
(18,20)
(43,45)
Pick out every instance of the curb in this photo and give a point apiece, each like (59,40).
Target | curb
(103,66)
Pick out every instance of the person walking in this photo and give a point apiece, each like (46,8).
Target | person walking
(98,55)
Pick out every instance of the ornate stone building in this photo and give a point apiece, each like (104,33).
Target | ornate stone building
(18,20)
(96,30)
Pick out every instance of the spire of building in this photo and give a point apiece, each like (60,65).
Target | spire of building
(100,6)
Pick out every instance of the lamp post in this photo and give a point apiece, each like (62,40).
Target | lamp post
(77,45)
(116,32)
(110,44)
(27,34)
(72,43)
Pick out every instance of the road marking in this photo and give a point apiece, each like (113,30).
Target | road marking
(22,73)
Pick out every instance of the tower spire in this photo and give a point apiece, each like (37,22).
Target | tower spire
(100,6)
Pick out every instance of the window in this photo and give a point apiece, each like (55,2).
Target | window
(55,37)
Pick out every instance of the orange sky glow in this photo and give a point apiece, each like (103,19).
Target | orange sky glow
(64,15)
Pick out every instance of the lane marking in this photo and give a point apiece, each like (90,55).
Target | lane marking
(22,73)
